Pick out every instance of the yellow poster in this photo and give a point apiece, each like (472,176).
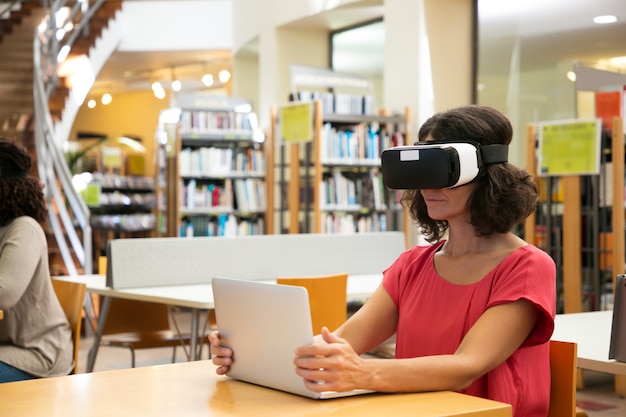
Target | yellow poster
(570,147)
(111,157)
(297,122)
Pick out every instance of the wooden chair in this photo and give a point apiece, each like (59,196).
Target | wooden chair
(327,298)
(136,325)
(71,296)
(563,381)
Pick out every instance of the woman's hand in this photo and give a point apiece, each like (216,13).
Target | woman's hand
(331,365)
(222,356)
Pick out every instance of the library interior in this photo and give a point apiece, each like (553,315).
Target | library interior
(178,141)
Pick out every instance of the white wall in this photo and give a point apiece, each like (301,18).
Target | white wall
(154,26)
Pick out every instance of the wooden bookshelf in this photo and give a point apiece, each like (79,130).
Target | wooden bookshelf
(214,174)
(333,181)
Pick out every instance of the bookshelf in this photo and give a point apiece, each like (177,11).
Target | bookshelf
(332,183)
(577,222)
(212,170)
(121,206)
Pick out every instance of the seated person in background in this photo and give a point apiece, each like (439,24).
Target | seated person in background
(473,312)
(35,337)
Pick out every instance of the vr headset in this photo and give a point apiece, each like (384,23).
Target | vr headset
(437,165)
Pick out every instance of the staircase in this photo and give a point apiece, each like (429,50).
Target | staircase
(68,216)
(16,68)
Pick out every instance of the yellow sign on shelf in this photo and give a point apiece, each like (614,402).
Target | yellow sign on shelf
(569,147)
(111,157)
(296,122)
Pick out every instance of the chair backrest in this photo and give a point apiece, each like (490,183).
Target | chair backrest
(127,316)
(563,379)
(71,296)
(327,298)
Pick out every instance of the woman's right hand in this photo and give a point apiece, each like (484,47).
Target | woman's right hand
(222,356)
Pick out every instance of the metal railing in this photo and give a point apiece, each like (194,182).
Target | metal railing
(69,216)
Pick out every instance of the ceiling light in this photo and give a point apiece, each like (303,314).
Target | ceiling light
(91,103)
(158,90)
(207,79)
(618,61)
(224,76)
(571,75)
(106,98)
(603,20)
(176,84)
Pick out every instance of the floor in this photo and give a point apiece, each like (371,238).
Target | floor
(597,399)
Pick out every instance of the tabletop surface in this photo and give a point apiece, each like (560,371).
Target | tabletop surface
(591,331)
(359,287)
(193,389)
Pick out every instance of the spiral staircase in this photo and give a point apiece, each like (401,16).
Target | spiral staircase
(38,108)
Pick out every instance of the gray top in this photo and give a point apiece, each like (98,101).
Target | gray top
(34,334)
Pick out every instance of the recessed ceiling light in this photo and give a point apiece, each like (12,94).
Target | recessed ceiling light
(602,20)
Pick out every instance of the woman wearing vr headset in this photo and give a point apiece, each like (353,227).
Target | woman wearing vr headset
(35,337)
(473,311)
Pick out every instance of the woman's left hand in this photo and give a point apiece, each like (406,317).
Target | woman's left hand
(331,365)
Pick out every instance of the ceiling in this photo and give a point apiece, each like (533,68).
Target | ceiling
(547,32)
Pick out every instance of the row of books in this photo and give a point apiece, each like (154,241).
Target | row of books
(222,225)
(220,162)
(202,121)
(116,181)
(340,103)
(355,190)
(218,197)
(250,195)
(137,222)
(365,142)
(243,195)
(350,224)
(127,199)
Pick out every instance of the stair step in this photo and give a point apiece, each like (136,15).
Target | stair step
(25,74)
(18,55)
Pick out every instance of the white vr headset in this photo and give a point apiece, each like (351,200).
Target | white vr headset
(437,165)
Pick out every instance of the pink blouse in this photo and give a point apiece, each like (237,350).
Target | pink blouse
(435,315)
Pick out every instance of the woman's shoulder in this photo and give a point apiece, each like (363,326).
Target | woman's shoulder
(530,254)
(24,223)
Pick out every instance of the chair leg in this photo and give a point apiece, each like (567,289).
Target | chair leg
(174,354)
(132,357)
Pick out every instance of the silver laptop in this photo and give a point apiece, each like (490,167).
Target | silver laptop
(264,323)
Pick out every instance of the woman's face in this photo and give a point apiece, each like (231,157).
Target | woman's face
(449,203)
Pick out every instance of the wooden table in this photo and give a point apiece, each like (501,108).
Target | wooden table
(193,389)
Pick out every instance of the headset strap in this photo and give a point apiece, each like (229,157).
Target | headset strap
(494,154)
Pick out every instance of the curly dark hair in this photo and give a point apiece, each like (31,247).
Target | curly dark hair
(20,194)
(505,195)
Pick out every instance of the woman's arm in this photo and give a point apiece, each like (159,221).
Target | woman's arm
(375,322)
(494,337)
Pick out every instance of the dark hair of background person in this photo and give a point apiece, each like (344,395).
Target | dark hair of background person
(20,194)
(505,195)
